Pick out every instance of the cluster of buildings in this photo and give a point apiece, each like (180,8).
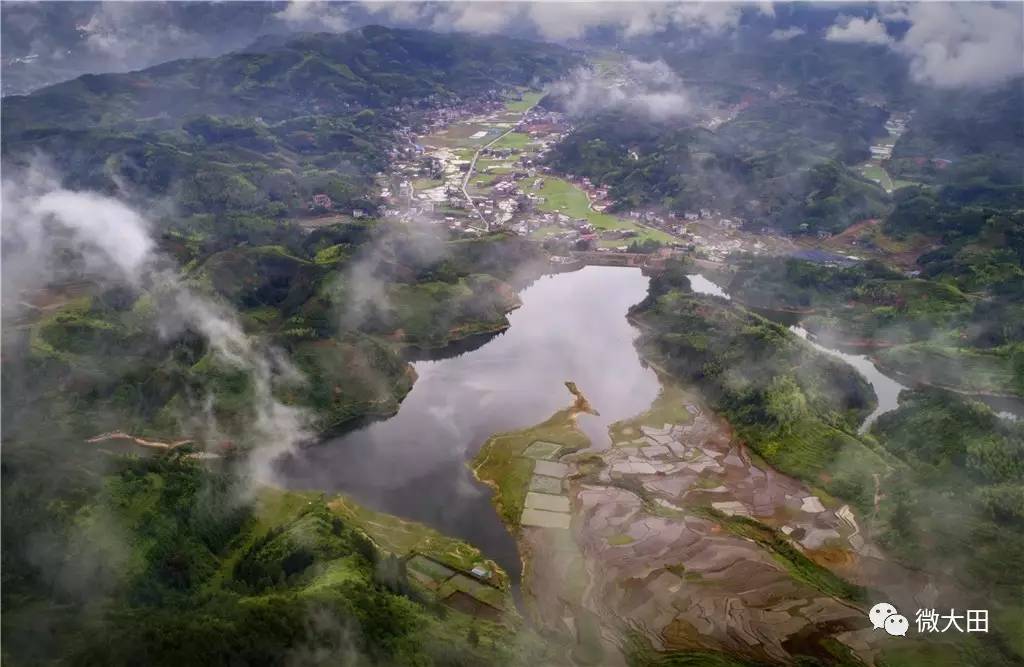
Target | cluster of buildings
(714,217)
(506,190)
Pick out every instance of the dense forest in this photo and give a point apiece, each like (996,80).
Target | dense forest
(977,136)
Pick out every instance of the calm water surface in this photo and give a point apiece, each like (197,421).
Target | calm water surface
(571,326)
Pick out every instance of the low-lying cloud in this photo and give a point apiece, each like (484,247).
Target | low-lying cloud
(963,45)
(569,20)
(314,16)
(947,44)
(651,89)
(786,34)
(857,30)
(43,222)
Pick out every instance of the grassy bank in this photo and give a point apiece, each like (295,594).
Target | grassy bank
(501,462)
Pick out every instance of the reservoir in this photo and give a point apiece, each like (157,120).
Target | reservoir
(571,326)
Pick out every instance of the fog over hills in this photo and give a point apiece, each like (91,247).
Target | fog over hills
(512,333)
(945,44)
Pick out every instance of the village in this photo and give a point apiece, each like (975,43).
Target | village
(881,152)
(478,167)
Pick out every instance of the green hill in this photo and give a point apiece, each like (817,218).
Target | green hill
(249,137)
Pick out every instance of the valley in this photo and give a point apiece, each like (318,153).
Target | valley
(639,346)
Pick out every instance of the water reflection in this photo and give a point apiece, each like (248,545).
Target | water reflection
(702,285)
(571,326)
(887,389)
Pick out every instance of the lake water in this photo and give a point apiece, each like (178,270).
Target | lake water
(571,326)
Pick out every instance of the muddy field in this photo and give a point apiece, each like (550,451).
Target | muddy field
(679,534)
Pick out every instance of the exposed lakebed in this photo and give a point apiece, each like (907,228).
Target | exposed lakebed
(571,326)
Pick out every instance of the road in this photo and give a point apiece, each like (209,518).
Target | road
(472,167)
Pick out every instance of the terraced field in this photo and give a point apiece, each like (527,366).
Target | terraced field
(677,538)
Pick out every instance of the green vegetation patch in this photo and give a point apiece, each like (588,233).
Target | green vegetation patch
(436,312)
(993,371)
(561,196)
(429,571)
(529,99)
(796,563)
(879,175)
(640,653)
(958,497)
(261,276)
(502,463)
(349,378)
(514,140)
(470,586)
(542,450)
(408,538)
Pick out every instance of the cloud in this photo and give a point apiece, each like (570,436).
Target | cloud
(947,44)
(113,235)
(119,31)
(478,17)
(568,20)
(363,289)
(964,44)
(651,89)
(786,34)
(893,12)
(43,222)
(559,20)
(858,30)
(401,13)
(314,16)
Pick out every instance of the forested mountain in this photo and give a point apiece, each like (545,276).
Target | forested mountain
(221,271)
(257,132)
(780,161)
(965,139)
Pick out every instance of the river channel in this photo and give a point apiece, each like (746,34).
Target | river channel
(571,326)
(887,389)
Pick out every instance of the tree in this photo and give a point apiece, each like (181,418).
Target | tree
(786,402)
